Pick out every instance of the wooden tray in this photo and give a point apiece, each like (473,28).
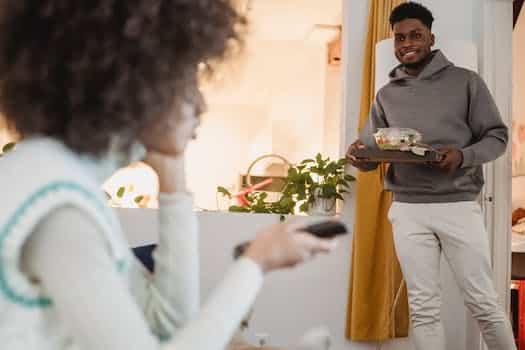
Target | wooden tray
(376,155)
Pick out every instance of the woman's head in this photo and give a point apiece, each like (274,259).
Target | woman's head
(85,71)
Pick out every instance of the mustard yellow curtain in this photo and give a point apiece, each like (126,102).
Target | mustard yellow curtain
(375,276)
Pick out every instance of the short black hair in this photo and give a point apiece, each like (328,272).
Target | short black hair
(410,10)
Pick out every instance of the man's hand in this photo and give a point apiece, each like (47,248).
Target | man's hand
(451,161)
(359,163)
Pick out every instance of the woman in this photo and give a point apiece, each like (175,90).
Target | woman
(87,84)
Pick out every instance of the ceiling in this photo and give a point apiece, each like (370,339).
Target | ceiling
(291,20)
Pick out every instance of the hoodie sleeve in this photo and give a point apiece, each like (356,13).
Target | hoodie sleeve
(489,133)
(376,120)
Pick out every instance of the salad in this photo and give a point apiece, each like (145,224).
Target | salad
(397,139)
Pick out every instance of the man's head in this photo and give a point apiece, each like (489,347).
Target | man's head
(413,38)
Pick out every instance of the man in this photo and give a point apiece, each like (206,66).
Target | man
(435,209)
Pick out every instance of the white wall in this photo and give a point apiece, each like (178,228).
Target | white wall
(290,302)
(518,58)
(518,91)
(454,19)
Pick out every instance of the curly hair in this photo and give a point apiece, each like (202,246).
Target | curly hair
(409,10)
(85,71)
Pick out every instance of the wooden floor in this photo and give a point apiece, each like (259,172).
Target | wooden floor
(399,344)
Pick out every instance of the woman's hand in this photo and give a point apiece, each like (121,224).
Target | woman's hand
(167,140)
(284,245)
(170,171)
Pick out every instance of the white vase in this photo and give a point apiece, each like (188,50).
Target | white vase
(322,207)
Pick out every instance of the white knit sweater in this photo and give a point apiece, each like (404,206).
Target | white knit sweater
(67,278)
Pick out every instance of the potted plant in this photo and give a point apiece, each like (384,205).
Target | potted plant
(317,184)
(313,184)
(255,202)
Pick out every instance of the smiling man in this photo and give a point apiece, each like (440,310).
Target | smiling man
(435,209)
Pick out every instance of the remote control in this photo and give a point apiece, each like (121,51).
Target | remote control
(324,229)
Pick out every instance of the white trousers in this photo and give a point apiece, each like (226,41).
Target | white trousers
(422,232)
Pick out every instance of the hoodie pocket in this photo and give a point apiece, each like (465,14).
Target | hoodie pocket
(477,177)
(468,180)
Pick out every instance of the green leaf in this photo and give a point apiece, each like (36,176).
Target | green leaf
(328,191)
(338,196)
(309,180)
(8,147)
(292,189)
(306,161)
(315,170)
(286,201)
(250,197)
(238,209)
(346,185)
(263,196)
(331,168)
(224,191)
(349,177)
(120,192)
(138,199)
(304,207)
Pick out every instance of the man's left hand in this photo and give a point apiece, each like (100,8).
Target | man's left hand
(451,161)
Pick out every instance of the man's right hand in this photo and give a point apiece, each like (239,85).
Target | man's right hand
(359,163)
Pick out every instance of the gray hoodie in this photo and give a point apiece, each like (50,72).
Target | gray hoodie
(450,106)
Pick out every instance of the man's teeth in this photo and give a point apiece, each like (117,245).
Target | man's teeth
(410,54)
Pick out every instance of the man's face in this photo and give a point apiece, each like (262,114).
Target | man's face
(413,42)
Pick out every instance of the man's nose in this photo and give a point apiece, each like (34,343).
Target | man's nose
(407,43)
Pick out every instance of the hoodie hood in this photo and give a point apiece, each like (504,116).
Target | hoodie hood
(438,63)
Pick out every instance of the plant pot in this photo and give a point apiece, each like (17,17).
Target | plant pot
(322,207)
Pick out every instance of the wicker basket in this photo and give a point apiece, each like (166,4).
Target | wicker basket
(248,180)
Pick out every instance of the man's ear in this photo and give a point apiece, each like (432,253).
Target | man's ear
(432,40)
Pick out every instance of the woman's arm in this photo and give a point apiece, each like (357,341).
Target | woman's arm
(169,298)
(91,299)
(69,257)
